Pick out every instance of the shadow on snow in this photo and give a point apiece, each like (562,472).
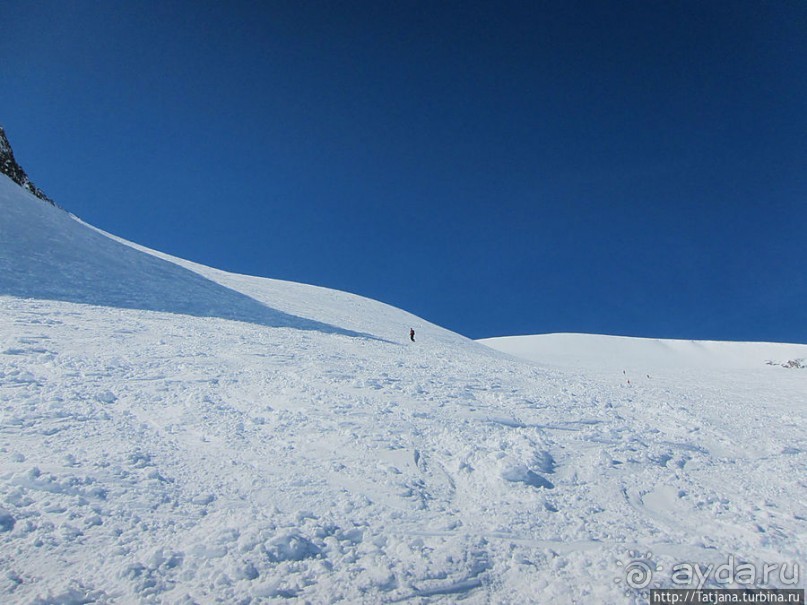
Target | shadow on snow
(46,254)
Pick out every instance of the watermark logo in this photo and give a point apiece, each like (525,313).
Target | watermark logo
(734,573)
(640,572)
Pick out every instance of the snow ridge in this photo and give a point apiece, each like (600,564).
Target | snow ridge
(10,167)
(621,352)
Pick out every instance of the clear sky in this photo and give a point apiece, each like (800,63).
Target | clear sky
(634,168)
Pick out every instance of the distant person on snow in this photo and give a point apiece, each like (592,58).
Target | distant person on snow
(412,334)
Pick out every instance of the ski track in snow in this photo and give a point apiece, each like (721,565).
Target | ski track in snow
(150,457)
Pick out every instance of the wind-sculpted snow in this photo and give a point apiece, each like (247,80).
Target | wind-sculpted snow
(182,457)
(48,254)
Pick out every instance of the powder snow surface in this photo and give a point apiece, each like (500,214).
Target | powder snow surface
(170,433)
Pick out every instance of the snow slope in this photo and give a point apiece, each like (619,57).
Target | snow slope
(595,351)
(170,433)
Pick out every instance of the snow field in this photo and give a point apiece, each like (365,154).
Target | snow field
(170,433)
(164,458)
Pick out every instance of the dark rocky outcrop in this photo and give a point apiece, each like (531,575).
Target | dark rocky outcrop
(10,167)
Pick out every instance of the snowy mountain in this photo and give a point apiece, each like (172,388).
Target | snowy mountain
(10,167)
(171,433)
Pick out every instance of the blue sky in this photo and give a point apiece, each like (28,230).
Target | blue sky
(633,168)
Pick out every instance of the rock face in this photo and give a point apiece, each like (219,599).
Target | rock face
(10,167)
